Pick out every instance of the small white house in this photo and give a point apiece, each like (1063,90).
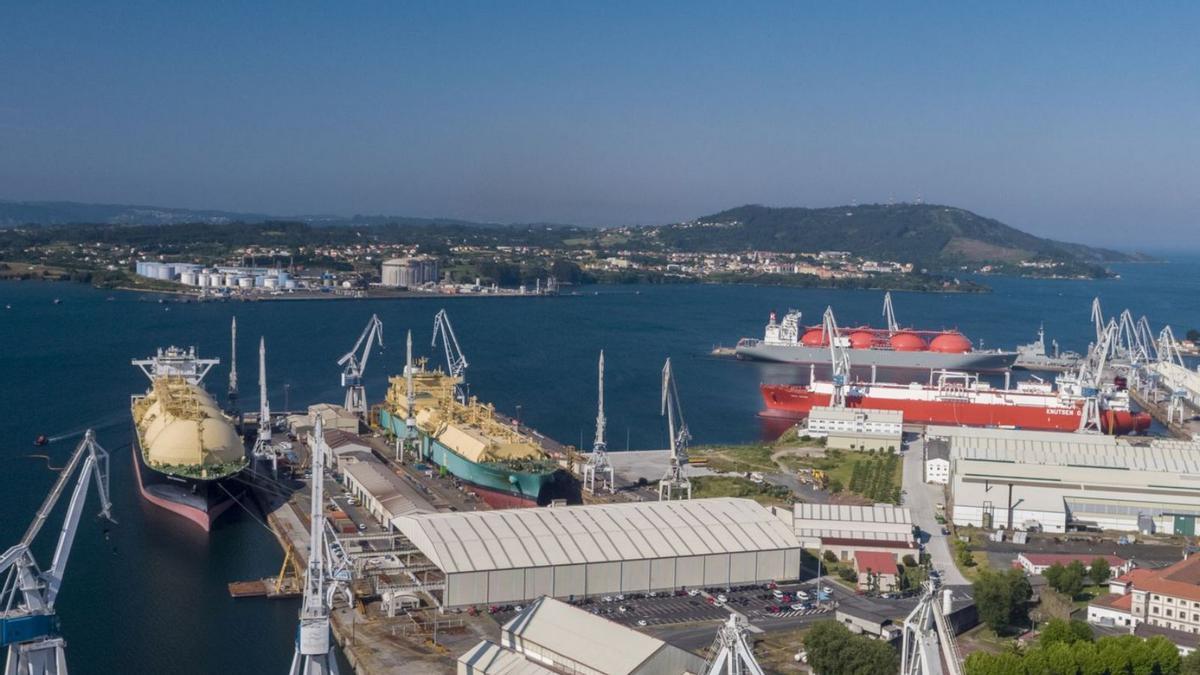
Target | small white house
(937,461)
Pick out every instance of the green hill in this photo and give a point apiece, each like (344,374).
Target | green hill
(929,234)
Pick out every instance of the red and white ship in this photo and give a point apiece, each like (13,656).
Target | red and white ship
(955,398)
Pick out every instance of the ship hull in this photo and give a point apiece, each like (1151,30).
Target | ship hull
(497,485)
(199,501)
(978,362)
(794,402)
(797,402)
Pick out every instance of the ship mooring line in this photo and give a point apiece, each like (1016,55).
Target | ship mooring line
(246,509)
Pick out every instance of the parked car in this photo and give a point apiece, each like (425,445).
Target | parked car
(798,606)
(641,622)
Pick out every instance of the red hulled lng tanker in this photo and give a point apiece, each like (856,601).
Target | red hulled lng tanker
(953,398)
(186,451)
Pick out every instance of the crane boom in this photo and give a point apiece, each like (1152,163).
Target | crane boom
(354,364)
(28,596)
(838,358)
(890,313)
(456,361)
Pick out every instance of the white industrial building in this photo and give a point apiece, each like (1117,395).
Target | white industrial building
(844,528)
(514,555)
(857,428)
(937,461)
(409,272)
(550,636)
(1054,481)
(381,492)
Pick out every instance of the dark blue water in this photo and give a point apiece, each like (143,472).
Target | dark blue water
(151,597)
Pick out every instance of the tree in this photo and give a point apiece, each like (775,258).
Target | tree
(1053,575)
(1122,655)
(1190,664)
(1068,580)
(1001,598)
(1070,632)
(909,561)
(834,650)
(1100,570)
(962,553)
(830,557)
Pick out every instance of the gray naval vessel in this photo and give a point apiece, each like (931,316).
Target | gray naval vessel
(1034,356)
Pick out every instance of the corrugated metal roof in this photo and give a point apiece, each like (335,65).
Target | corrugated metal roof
(585,638)
(878,513)
(392,493)
(1070,449)
(540,537)
(489,658)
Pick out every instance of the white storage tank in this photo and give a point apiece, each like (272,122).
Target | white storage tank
(245,282)
(188,278)
(271,282)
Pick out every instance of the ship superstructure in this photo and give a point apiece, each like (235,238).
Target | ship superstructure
(187,451)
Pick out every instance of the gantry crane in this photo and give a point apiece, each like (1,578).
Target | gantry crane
(28,625)
(410,400)
(314,649)
(674,483)
(233,378)
(355,365)
(263,450)
(838,358)
(598,461)
(733,655)
(1090,376)
(928,646)
(456,361)
(889,313)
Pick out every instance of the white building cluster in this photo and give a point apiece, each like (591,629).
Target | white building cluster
(217,278)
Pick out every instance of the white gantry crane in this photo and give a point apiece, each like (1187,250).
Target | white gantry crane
(1090,377)
(354,365)
(674,484)
(733,655)
(410,400)
(598,461)
(928,646)
(889,313)
(263,450)
(456,361)
(1098,319)
(838,358)
(314,648)
(28,625)
(233,379)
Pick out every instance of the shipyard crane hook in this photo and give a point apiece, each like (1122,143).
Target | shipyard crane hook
(355,365)
(674,483)
(838,358)
(28,625)
(456,361)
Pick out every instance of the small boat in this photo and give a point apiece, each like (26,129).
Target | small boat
(41,440)
(58,301)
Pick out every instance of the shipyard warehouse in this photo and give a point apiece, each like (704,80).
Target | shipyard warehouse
(504,556)
(1058,481)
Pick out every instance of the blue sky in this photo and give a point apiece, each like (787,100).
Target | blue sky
(1078,121)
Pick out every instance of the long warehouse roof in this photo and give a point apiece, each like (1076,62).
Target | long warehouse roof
(1071,450)
(568,535)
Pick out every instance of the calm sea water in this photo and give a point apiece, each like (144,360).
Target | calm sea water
(150,596)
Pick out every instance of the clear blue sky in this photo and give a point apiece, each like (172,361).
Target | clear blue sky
(1080,121)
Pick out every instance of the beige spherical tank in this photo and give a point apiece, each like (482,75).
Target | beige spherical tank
(180,424)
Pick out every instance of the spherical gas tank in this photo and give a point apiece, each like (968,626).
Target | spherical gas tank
(950,343)
(861,339)
(907,342)
(814,337)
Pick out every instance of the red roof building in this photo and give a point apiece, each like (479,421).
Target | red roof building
(1037,563)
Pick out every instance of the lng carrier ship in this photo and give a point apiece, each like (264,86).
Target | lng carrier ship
(469,439)
(788,341)
(186,451)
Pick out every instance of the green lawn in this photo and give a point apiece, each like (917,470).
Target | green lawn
(736,486)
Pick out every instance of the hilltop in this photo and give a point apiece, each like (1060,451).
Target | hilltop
(928,234)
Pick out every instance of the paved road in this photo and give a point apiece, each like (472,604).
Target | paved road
(920,498)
